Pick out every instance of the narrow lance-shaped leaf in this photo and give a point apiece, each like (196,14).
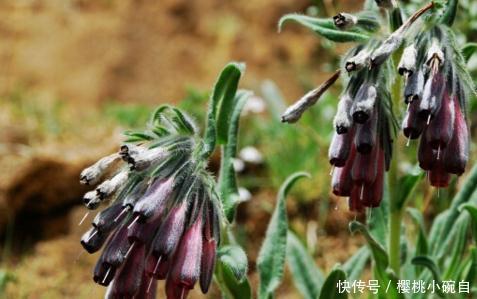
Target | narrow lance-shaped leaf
(422,247)
(331,289)
(227,179)
(355,265)
(472,209)
(428,263)
(450,12)
(307,278)
(325,28)
(271,259)
(219,111)
(468,50)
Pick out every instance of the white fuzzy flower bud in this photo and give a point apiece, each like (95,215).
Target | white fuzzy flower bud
(364,103)
(358,61)
(141,160)
(345,21)
(343,120)
(408,62)
(92,174)
(109,187)
(435,56)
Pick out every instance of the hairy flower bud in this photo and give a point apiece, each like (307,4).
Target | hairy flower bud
(92,174)
(363,104)
(457,153)
(412,124)
(414,87)
(345,21)
(343,120)
(365,138)
(91,200)
(358,62)
(440,130)
(109,187)
(339,149)
(152,204)
(93,240)
(140,161)
(432,96)
(341,181)
(408,62)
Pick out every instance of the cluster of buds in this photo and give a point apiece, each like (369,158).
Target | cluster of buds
(163,218)
(360,151)
(435,95)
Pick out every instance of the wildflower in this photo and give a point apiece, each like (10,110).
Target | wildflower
(436,104)
(163,220)
(345,21)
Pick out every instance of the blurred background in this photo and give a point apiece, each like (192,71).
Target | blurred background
(75,73)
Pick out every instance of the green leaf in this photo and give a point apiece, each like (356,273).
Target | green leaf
(325,28)
(227,177)
(330,288)
(472,273)
(468,50)
(406,184)
(219,111)
(356,264)
(234,258)
(450,12)
(379,254)
(231,288)
(472,209)
(428,263)
(422,247)
(307,278)
(442,234)
(271,259)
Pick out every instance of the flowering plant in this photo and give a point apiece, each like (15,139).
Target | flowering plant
(166,210)
(435,87)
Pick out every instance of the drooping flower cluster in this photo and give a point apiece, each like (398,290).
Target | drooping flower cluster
(360,151)
(163,219)
(435,95)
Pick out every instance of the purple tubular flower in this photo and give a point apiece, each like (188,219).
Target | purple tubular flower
(152,204)
(211,238)
(365,138)
(103,273)
(426,155)
(115,251)
(169,234)
(412,124)
(104,221)
(440,130)
(143,232)
(339,149)
(185,270)
(438,176)
(93,240)
(175,290)
(365,168)
(341,181)
(457,153)
(414,87)
(373,193)
(432,96)
(127,281)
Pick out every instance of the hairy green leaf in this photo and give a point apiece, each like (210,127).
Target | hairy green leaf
(307,278)
(422,247)
(428,263)
(468,50)
(355,265)
(325,28)
(219,111)
(234,258)
(271,259)
(231,288)
(227,178)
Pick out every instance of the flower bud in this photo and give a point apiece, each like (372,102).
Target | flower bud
(109,187)
(426,155)
(435,56)
(358,62)
(175,290)
(104,221)
(141,161)
(207,264)
(128,150)
(92,174)
(391,44)
(128,280)
(92,240)
(170,232)
(414,87)
(91,200)
(364,169)
(373,193)
(103,273)
(343,120)
(457,153)
(341,181)
(408,62)
(363,104)
(432,96)
(186,268)
(345,21)
(440,130)
(339,149)
(365,137)
(412,124)
(115,251)
(153,202)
